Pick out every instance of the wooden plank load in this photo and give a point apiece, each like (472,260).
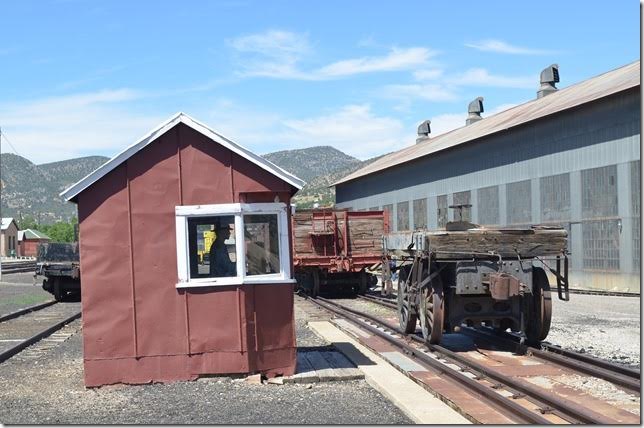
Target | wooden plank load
(535,241)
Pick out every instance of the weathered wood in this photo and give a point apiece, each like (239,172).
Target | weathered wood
(526,242)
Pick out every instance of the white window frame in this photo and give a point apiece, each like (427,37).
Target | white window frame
(184,212)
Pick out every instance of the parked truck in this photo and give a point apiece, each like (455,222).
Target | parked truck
(333,248)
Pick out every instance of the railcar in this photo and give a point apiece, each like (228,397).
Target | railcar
(471,275)
(333,248)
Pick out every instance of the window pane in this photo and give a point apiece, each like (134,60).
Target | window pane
(519,202)
(403,215)
(488,200)
(555,197)
(441,204)
(462,198)
(599,192)
(420,214)
(601,244)
(262,244)
(211,246)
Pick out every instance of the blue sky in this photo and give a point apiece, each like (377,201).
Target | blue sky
(82,78)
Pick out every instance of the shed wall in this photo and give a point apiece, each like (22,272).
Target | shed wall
(137,326)
(605,133)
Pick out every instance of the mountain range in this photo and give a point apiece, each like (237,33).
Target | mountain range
(33,190)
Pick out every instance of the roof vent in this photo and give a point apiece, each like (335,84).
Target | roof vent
(474,110)
(549,76)
(424,130)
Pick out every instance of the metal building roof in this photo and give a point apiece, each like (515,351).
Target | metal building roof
(31,234)
(606,84)
(6,221)
(180,117)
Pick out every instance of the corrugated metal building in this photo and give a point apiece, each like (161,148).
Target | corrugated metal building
(571,157)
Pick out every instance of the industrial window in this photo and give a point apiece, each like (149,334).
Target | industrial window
(599,192)
(420,213)
(488,205)
(601,244)
(555,197)
(402,213)
(231,244)
(519,202)
(463,198)
(635,209)
(390,212)
(441,204)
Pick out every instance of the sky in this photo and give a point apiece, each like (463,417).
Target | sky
(90,77)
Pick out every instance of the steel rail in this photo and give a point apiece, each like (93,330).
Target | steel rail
(622,376)
(572,410)
(35,338)
(379,301)
(23,311)
(524,415)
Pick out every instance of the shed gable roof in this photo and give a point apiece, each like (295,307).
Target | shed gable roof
(589,90)
(31,234)
(73,191)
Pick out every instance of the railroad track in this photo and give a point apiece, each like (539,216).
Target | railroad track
(20,266)
(525,402)
(26,327)
(583,363)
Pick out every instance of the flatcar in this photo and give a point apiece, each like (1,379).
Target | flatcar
(471,275)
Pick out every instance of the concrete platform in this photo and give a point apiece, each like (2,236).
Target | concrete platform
(417,403)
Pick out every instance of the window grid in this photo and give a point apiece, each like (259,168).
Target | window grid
(488,205)
(420,213)
(402,212)
(635,209)
(463,198)
(601,245)
(599,192)
(441,204)
(519,202)
(555,197)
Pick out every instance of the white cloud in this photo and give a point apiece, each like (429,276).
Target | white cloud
(396,59)
(499,46)
(278,54)
(427,92)
(353,129)
(428,74)
(482,77)
(56,128)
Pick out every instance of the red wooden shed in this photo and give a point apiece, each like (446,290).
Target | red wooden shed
(200,282)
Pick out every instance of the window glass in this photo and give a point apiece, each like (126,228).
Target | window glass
(211,246)
(488,205)
(261,237)
(555,197)
(599,192)
(441,207)
(601,245)
(462,198)
(402,212)
(519,202)
(420,213)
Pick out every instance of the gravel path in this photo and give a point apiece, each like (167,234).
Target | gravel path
(607,327)
(17,291)
(44,391)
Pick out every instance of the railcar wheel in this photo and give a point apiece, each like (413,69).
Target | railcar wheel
(432,311)
(59,295)
(363,282)
(316,283)
(407,316)
(540,313)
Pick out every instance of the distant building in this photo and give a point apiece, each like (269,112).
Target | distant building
(568,157)
(9,238)
(28,241)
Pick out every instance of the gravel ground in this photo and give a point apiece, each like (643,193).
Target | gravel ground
(607,327)
(17,291)
(44,391)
